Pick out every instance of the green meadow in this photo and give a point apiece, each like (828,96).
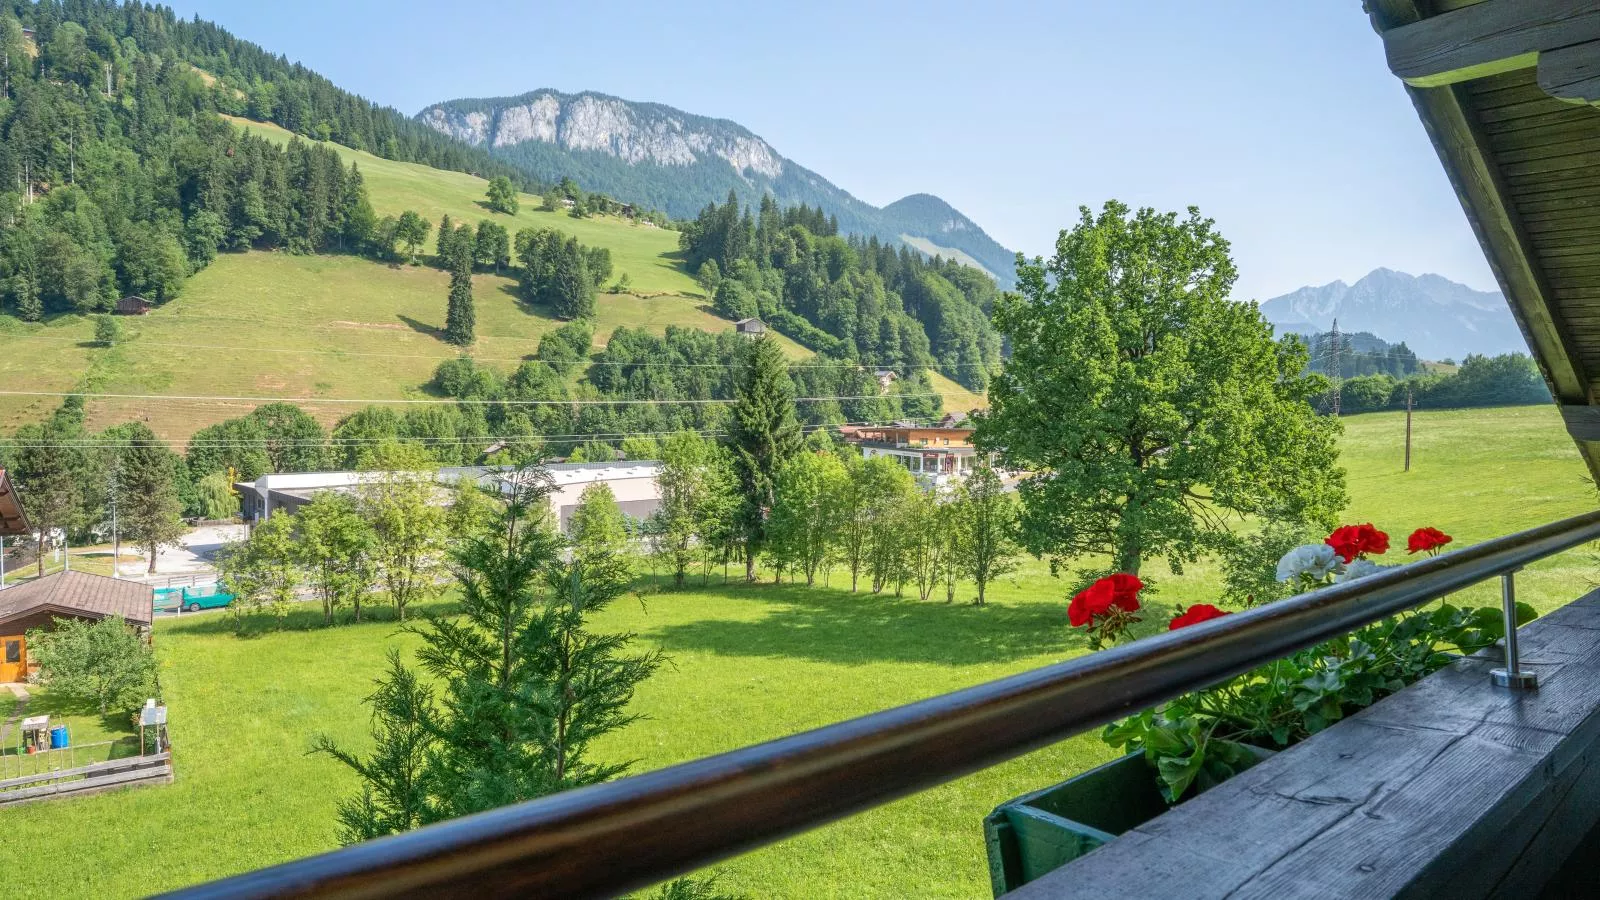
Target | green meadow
(748,663)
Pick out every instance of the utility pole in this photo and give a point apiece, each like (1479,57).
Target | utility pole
(1408,427)
(1337,370)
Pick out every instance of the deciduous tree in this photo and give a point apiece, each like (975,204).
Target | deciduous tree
(104,662)
(335,544)
(985,521)
(502,195)
(1149,406)
(408,525)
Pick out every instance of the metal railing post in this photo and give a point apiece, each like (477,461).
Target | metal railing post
(1512,676)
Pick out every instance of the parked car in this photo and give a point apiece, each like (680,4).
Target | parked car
(191,599)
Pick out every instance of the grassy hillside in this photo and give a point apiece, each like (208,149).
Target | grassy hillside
(648,255)
(748,663)
(277,325)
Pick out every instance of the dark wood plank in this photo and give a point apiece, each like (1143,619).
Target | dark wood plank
(1451,788)
(1486,39)
(1538,150)
(1510,116)
(1587,160)
(1559,202)
(1551,131)
(1571,72)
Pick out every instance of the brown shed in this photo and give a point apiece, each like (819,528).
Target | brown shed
(64,595)
(133,305)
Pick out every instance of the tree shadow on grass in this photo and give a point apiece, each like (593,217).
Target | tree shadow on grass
(834,626)
(301,617)
(421,327)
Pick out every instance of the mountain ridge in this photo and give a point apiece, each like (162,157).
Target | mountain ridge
(1436,317)
(677,161)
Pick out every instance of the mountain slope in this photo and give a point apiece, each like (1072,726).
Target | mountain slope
(1436,317)
(665,158)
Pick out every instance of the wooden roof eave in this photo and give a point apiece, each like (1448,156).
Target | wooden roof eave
(1474,174)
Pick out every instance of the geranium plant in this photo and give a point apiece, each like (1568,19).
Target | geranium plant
(1205,737)
(1106,609)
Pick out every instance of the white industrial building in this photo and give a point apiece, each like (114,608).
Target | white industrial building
(633,483)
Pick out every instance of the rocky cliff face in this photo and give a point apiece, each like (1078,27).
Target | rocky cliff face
(678,162)
(593,122)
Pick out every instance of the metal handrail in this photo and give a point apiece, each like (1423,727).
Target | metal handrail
(614,837)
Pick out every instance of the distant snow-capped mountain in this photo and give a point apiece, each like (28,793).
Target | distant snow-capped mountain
(1436,317)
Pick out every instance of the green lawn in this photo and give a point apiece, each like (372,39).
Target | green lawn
(748,663)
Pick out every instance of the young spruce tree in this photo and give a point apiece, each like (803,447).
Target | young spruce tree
(766,435)
(525,685)
(460,318)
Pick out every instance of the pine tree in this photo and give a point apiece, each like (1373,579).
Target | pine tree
(460,317)
(147,490)
(765,435)
(571,288)
(525,683)
(447,238)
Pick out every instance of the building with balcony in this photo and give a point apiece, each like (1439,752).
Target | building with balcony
(938,455)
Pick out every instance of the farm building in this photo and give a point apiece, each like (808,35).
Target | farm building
(69,595)
(750,327)
(133,305)
(633,483)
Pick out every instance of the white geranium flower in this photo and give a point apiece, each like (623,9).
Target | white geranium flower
(1361,568)
(1313,561)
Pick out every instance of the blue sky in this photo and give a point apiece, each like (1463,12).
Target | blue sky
(1277,119)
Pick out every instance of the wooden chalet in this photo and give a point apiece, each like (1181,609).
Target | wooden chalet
(751,327)
(133,305)
(65,595)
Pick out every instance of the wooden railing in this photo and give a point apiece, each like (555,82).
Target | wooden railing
(610,838)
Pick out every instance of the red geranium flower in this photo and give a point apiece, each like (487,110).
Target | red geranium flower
(1200,612)
(1094,600)
(1426,540)
(1351,541)
(1125,588)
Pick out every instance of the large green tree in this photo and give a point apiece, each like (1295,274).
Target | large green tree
(1148,407)
(148,509)
(765,435)
(502,195)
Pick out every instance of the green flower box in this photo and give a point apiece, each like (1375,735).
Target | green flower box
(1037,833)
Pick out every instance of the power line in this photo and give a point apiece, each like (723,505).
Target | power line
(843,364)
(335,442)
(430,401)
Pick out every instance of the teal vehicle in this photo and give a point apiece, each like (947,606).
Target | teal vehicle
(191,599)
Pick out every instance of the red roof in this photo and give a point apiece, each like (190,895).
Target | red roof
(78,594)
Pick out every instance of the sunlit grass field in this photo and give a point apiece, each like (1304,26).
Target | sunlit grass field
(748,664)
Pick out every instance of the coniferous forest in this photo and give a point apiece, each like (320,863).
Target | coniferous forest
(119,175)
